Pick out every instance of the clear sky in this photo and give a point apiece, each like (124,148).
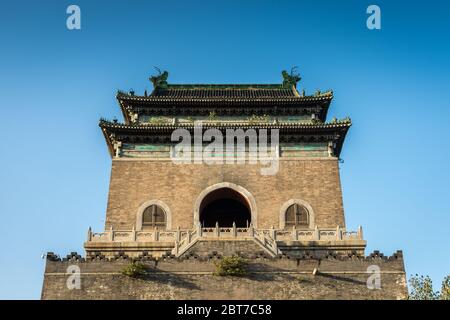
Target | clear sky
(56,84)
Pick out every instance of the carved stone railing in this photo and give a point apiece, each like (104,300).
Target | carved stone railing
(266,241)
(315,234)
(184,239)
(224,232)
(191,237)
(187,240)
(133,235)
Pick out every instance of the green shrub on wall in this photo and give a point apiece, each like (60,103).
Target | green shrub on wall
(231,266)
(135,270)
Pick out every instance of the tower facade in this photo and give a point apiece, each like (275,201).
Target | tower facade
(154,196)
(205,171)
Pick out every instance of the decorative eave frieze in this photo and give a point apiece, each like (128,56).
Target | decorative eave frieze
(332,132)
(310,126)
(301,105)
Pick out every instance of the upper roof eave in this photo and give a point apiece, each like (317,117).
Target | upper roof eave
(346,123)
(338,129)
(327,96)
(225,86)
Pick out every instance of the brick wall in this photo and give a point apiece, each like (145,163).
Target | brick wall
(134,182)
(194,279)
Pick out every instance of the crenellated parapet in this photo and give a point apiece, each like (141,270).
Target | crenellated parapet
(194,277)
(375,256)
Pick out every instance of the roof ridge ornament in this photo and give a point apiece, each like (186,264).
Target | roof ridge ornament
(290,79)
(160,80)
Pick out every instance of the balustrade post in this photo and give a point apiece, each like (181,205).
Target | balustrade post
(111,233)
(176,247)
(338,233)
(294,233)
(316,233)
(272,233)
(133,234)
(199,230)
(217,230)
(178,234)
(188,236)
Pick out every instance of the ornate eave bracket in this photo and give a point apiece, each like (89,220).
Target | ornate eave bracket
(133,116)
(116,145)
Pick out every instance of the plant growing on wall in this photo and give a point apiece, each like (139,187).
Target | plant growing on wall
(231,266)
(135,270)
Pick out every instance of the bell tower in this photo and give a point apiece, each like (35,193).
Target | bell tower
(201,172)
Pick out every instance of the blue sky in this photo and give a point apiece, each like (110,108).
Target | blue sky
(56,84)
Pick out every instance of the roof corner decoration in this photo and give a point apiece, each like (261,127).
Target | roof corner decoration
(159,81)
(290,79)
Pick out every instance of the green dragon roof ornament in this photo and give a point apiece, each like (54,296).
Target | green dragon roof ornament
(160,80)
(291,79)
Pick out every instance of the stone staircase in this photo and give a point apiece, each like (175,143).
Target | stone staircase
(266,242)
(186,242)
(190,238)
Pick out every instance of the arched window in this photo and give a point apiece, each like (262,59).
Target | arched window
(153,217)
(297,215)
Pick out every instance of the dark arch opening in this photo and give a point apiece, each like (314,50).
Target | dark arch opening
(225,206)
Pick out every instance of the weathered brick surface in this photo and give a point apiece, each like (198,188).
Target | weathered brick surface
(135,181)
(226,248)
(194,279)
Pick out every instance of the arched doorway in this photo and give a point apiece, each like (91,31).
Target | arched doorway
(225,206)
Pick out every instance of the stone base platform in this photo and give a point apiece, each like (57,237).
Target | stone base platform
(192,277)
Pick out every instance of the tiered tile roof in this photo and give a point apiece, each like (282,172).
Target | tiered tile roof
(276,101)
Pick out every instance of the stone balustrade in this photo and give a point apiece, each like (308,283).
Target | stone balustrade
(191,237)
(134,236)
(315,234)
(223,232)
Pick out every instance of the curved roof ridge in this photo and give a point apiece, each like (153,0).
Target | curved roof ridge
(225,86)
(227,94)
